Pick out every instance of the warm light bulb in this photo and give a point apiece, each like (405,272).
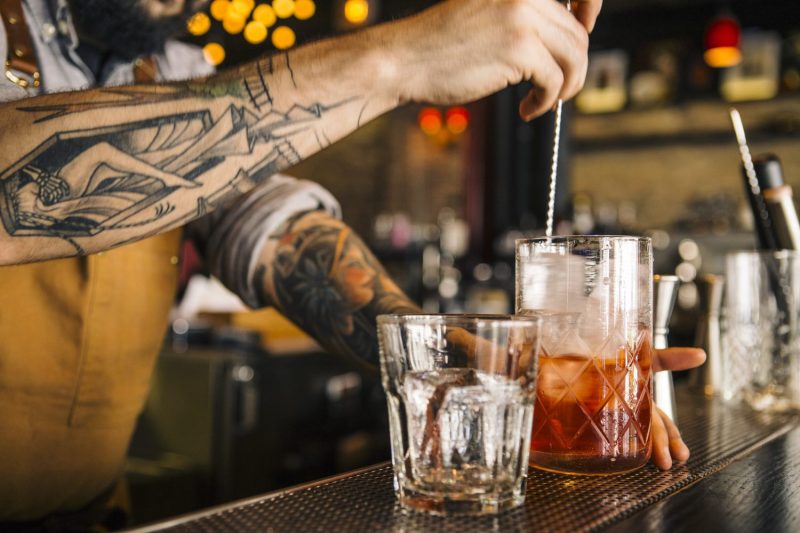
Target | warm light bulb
(219,8)
(356,11)
(283,37)
(723,57)
(214,53)
(199,24)
(255,32)
(265,15)
(283,8)
(304,9)
(723,42)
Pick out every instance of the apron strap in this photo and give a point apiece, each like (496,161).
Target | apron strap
(21,66)
(145,70)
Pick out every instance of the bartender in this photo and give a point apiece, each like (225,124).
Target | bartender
(108,163)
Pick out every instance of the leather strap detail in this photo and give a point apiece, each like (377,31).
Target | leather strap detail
(21,66)
(144,70)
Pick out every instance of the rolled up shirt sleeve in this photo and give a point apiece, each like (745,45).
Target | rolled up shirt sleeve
(231,239)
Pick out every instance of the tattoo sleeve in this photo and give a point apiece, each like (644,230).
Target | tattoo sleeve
(85,171)
(323,277)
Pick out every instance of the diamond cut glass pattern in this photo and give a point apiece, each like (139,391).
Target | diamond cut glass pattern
(761,340)
(612,396)
(592,413)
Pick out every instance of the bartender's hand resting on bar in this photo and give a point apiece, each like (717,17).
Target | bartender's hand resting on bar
(668,446)
(267,115)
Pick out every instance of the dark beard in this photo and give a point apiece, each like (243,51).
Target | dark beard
(124,27)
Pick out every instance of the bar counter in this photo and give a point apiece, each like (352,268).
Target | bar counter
(743,475)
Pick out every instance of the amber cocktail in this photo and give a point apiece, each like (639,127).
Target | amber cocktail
(594,391)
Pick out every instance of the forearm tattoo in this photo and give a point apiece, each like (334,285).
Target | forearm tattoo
(126,179)
(324,278)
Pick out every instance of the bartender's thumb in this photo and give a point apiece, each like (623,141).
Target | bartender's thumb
(586,11)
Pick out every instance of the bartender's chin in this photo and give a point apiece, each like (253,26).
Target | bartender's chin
(132,28)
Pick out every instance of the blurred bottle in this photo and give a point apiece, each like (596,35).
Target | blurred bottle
(779,200)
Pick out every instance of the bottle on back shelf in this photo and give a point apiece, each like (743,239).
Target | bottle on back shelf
(779,201)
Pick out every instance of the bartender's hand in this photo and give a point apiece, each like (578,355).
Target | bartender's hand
(586,12)
(462,50)
(668,446)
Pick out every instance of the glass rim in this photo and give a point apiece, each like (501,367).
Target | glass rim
(459,319)
(567,238)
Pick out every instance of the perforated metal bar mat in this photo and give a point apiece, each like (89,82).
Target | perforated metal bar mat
(365,500)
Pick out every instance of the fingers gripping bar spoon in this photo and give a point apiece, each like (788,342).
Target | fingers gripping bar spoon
(551,200)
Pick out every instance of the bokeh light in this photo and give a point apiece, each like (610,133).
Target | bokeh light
(283,37)
(457,120)
(723,57)
(255,32)
(723,41)
(304,9)
(219,8)
(430,121)
(256,21)
(242,7)
(264,14)
(283,8)
(199,24)
(234,22)
(214,53)
(356,11)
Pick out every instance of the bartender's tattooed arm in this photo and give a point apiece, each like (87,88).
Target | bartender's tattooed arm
(86,171)
(323,277)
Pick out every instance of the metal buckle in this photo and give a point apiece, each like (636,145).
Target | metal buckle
(23,80)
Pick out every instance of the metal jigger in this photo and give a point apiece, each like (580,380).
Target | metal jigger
(665,290)
(708,377)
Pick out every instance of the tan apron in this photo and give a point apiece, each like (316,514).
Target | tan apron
(78,341)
